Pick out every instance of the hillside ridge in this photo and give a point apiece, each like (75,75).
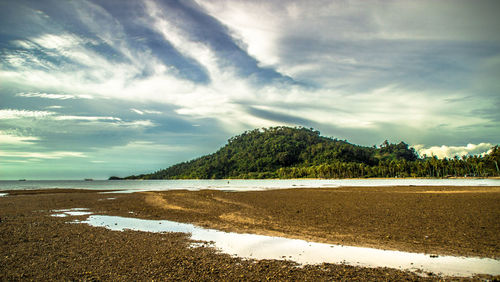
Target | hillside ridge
(298,152)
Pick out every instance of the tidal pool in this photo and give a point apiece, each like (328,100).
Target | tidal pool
(73,211)
(254,246)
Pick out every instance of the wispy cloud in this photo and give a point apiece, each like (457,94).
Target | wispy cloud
(54,41)
(142,112)
(260,37)
(16,114)
(87,118)
(105,121)
(7,114)
(6,138)
(54,96)
(44,155)
(173,34)
(137,111)
(421,72)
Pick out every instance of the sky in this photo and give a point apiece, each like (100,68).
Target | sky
(91,89)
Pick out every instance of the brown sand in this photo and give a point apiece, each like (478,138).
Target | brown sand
(442,220)
(34,245)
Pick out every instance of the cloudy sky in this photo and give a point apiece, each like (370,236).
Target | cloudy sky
(100,88)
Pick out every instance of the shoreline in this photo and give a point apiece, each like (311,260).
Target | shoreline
(290,213)
(354,178)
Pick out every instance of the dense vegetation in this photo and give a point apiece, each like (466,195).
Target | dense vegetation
(284,152)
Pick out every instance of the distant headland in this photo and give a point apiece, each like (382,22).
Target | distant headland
(286,152)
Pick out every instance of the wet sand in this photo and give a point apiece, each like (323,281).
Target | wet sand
(442,220)
(435,220)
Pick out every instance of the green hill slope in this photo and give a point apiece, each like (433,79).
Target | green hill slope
(287,152)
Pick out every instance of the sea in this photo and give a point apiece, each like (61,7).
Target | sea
(233,185)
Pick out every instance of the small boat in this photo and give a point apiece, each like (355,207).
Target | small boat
(89,179)
(22,179)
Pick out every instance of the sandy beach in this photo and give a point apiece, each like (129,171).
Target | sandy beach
(433,220)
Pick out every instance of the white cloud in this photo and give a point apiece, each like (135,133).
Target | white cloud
(152,112)
(139,123)
(139,145)
(257,26)
(452,151)
(359,58)
(6,138)
(87,118)
(108,121)
(55,45)
(167,24)
(220,98)
(142,112)
(14,60)
(10,114)
(45,155)
(464,20)
(56,41)
(261,29)
(16,114)
(108,29)
(22,59)
(54,96)
(24,44)
(18,161)
(324,41)
(137,111)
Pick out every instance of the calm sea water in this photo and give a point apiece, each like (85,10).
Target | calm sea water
(233,185)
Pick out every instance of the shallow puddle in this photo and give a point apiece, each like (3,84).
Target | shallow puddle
(107,199)
(73,212)
(59,215)
(72,209)
(3,194)
(267,247)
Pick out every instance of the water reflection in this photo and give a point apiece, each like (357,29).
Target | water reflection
(73,212)
(303,252)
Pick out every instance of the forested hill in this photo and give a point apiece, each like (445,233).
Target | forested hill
(286,152)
